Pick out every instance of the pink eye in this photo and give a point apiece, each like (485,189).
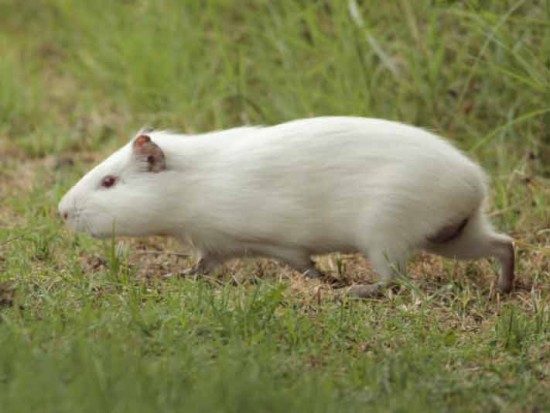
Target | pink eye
(108,181)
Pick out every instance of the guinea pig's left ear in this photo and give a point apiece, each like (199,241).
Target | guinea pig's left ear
(147,150)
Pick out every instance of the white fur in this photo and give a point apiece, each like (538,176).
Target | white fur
(305,187)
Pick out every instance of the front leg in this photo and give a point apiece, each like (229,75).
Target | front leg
(389,265)
(367,290)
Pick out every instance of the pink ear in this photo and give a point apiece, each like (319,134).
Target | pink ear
(148,151)
(141,140)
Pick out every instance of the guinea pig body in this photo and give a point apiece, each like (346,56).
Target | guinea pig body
(289,191)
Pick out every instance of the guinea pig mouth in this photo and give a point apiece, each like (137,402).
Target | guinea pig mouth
(85,229)
(76,223)
(96,231)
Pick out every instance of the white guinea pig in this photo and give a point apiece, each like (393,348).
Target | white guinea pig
(290,191)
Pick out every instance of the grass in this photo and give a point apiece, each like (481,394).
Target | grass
(90,326)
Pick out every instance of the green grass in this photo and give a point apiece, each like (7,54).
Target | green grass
(90,326)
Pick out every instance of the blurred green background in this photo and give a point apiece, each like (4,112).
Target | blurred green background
(74,72)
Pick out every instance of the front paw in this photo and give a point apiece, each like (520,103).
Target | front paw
(366,290)
(189,272)
(312,273)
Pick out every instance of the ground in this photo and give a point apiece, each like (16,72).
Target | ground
(88,325)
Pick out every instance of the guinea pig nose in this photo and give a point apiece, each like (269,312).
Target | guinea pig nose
(65,215)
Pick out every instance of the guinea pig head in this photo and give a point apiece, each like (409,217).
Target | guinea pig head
(121,195)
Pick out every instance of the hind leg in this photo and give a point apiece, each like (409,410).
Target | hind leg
(388,264)
(478,241)
(495,245)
